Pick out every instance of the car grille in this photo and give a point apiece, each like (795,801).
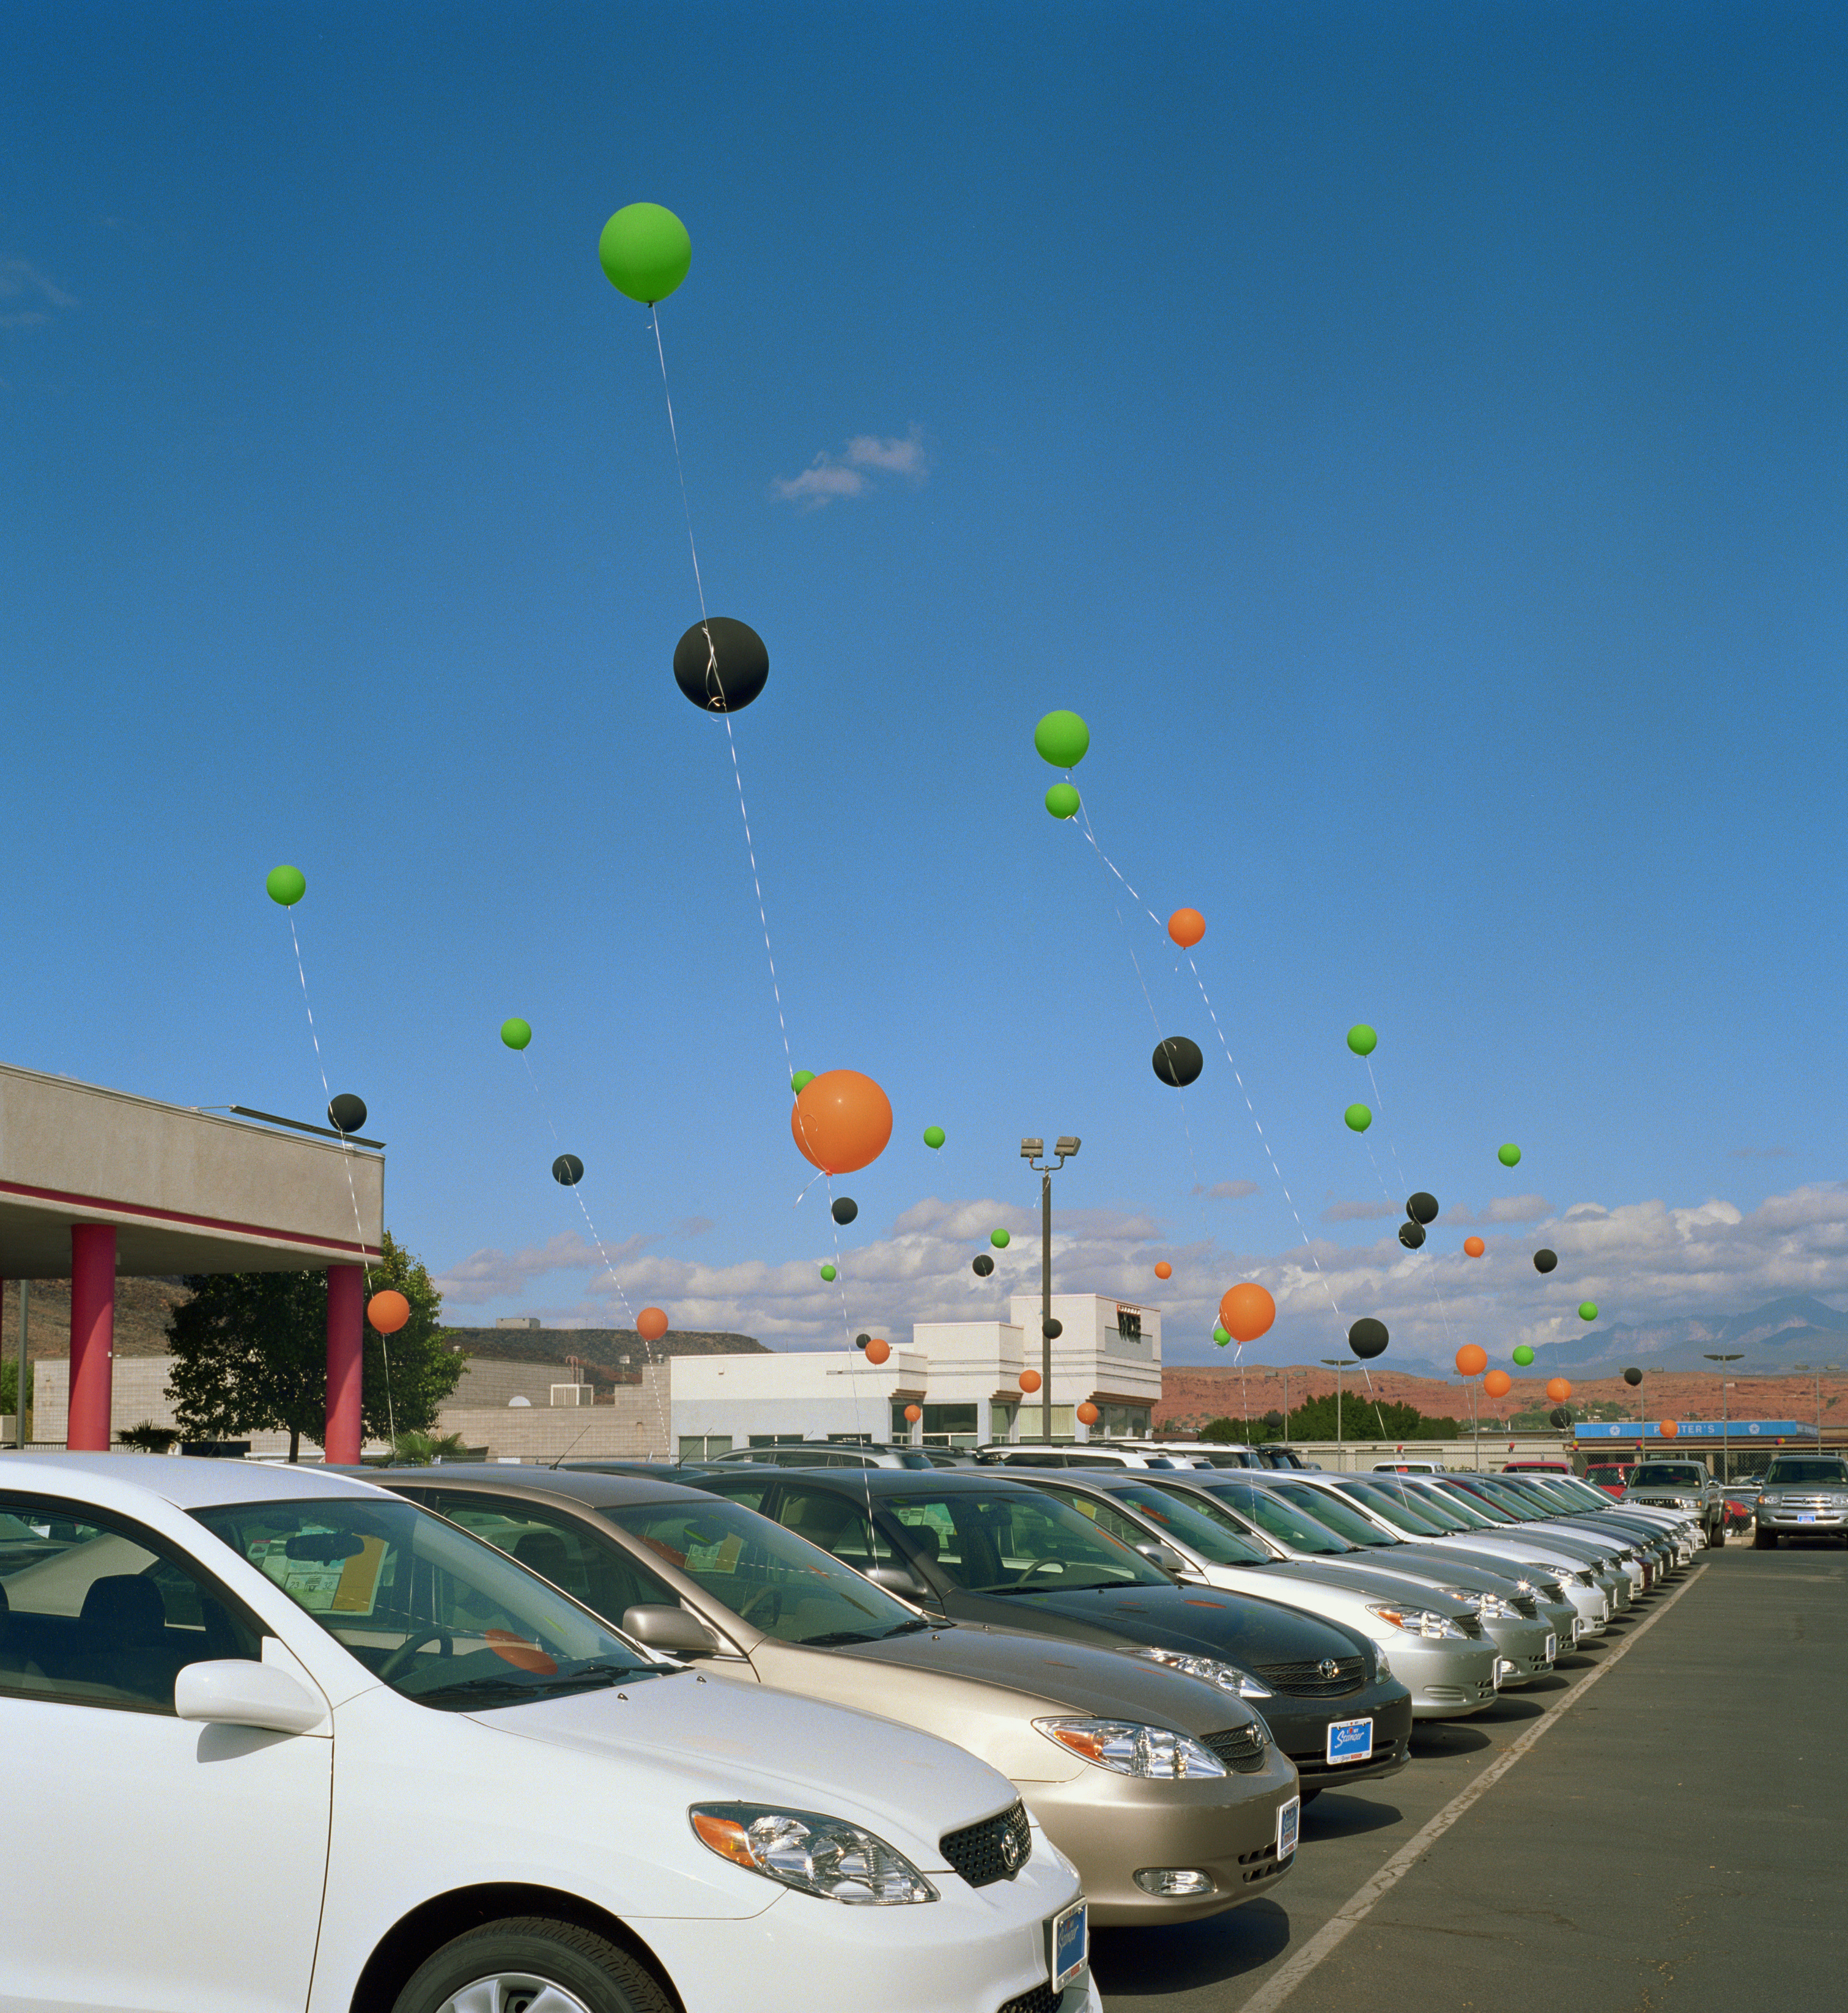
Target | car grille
(1659,1502)
(1525,1606)
(1307,1680)
(1472,1626)
(976,1851)
(1261,1865)
(1777,1504)
(1041,1999)
(1241,1748)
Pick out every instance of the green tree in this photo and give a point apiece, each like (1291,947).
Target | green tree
(250,1355)
(9,1380)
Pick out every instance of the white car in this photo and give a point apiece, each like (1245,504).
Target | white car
(287,1742)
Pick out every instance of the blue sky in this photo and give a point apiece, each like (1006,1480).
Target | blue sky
(1410,436)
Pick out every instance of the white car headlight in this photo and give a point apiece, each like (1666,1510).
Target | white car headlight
(1228,1677)
(1416,1621)
(1495,1609)
(1382,1663)
(1131,1749)
(814,1854)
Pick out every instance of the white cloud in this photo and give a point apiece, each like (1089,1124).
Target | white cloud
(1504,1209)
(901,457)
(821,483)
(1226,1191)
(829,476)
(694,1226)
(19,280)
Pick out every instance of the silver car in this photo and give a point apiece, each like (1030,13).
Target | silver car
(1479,1529)
(1495,1497)
(1804,1495)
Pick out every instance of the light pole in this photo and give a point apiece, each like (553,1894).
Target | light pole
(1813,1370)
(1031,1151)
(1725,1416)
(1333,1363)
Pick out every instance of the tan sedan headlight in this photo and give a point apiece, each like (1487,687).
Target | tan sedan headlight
(1131,1749)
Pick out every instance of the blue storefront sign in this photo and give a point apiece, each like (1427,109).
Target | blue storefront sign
(1773,1430)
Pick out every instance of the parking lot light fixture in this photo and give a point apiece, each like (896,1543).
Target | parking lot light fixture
(1032,1151)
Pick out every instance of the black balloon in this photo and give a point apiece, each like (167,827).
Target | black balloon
(720,665)
(1051,1327)
(568,1170)
(1544,1261)
(1422,1207)
(1632,1377)
(1560,1415)
(846,1209)
(1367,1337)
(860,1341)
(1177,1061)
(1274,1422)
(1411,1235)
(981,1264)
(347,1113)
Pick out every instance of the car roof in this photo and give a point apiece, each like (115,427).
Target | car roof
(589,1486)
(889,1481)
(188,1483)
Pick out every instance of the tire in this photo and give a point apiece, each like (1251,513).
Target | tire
(1717,1536)
(1764,1540)
(522,1955)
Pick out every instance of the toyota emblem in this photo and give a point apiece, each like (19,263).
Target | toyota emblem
(1328,1667)
(1010,1851)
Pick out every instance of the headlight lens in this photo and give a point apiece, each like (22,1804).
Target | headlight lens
(1131,1749)
(1494,1608)
(1416,1621)
(1382,1664)
(1228,1677)
(815,1854)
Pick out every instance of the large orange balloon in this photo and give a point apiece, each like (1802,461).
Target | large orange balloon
(651,1324)
(878,1351)
(1029,1380)
(1474,1246)
(1087,1414)
(388,1311)
(914,1413)
(1558,1389)
(1498,1383)
(1245,1311)
(1668,1429)
(1187,927)
(841,1121)
(1163,1269)
(1472,1360)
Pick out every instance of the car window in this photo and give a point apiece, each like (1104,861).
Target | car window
(1417,1516)
(1033,1460)
(1281,1519)
(1198,1522)
(836,1523)
(752,1491)
(1327,1507)
(1479,1506)
(94,1610)
(557,1547)
(1814,1470)
(766,1576)
(1010,1544)
(1105,1516)
(435,1614)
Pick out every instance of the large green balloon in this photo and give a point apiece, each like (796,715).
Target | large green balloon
(999,1238)
(1362,1039)
(1523,1355)
(1061,739)
(934,1136)
(1358,1117)
(1062,801)
(829,1273)
(1510,1155)
(1588,1310)
(286,885)
(516,1034)
(645,252)
(1221,1336)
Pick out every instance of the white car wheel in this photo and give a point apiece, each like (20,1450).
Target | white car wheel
(530,1965)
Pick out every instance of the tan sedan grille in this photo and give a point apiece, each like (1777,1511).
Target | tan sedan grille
(1241,1748)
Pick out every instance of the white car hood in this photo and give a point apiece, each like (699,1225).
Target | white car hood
(735,1743)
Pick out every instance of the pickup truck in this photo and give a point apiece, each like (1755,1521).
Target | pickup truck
(1686,1485)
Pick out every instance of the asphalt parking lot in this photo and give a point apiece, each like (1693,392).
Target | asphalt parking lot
(1674,1837)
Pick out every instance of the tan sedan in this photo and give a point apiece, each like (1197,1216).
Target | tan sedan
(1164,1790)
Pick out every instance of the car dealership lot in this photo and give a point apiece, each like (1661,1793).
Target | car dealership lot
(1672,1838)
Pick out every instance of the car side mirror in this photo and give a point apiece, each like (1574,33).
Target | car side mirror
(233,1692)
(662,1627)
(896,1579)
(1164,1556)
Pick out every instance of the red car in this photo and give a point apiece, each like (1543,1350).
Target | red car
(1611,1478)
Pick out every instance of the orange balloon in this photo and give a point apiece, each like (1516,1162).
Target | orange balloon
(914,1413)
(1087,1414)
(1474,1246)
(877,1351)
(1668,1429)
(651,1324)
(388,1311)
(1163,1269)
(1187,927)
(1472,1360)
(1558,1389)
(1245,1311)
(841,1121)
(1029,1380)
(1498,1383)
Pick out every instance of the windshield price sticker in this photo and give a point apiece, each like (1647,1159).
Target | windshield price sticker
(1068,1940)
(1290,1822)
(1350,1740)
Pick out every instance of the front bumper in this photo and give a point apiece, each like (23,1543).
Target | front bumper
(1300,1728)
(1811,1520)
(1522,1644)
(1447,1680)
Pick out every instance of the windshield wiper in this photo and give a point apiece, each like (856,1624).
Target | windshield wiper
(836,1640)
(1060,1586)
(911,1627)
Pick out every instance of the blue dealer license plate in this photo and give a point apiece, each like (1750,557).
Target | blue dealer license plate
(1350,1740)
(1290,1823)
(1069,1937)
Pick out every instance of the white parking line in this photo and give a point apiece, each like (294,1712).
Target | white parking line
(1281,1984)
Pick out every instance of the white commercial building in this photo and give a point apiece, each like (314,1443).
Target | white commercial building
(964,1377)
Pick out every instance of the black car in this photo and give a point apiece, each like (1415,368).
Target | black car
(976,1546)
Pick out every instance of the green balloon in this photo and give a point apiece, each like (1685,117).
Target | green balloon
(1061,739)
(1362,1039)
(1510,1155)
(286,885)
(999,1238)
(1062,801)
(1358,1117)
(1588,1310)
(1524,1355)
(801,1081)
(645,252)
(934,1135)
(829,1273)
(1221,1336)
(516,1034)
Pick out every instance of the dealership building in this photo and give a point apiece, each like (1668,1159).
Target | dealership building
(962,1377)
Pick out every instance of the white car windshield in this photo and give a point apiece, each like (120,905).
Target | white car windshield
(430,1611)
(1811,1471)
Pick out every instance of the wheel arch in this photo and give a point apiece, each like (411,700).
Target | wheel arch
(418,1935)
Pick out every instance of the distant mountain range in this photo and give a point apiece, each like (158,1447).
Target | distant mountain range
(1797,1328)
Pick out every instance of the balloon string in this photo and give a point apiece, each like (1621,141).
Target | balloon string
(654,320)
(757,886)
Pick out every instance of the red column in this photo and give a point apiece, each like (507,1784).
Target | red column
(346,1348)
(92,1336)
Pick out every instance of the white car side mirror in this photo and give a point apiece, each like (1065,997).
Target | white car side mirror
(235,1692)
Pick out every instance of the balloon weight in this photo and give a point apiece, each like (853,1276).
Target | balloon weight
(645,252)
(721,665)
(1498,1383)
(1510,1155)
(1558,1389)
(1632,1378)
(1474,1246)
(1421,1207)
(878,1351)
(935,1136)
(841,1121)
(1163,1269)
(1362,1039)
(999,1239)
(1063,739)
(516,1034)
(1246,1311)
(846,1209)
(1178,1061)
(285,885)
(347,1113)
(1358,1117)
(981,1264)
(1524,1355)
(388,1311)
(568,1170)
(1588,1310)
(1472,1360)
(1187,927)
(1544,1260)
(1367,1337)
(651,1324)
(1029,1381)
(1411,1235)
(1087,1414)
(829,1273)
(1062,801)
